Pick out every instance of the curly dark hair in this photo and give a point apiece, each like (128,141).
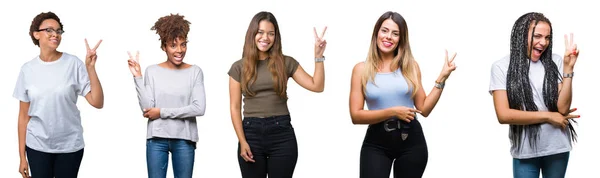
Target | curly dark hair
(171,27)
(37,21)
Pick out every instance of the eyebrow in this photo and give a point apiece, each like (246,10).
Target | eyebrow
(265,30)
(391,30)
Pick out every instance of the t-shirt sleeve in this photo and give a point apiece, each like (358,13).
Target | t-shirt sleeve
(83,79)
(291,65)
(559,64)
(20,91)
(497,77)
(236,71)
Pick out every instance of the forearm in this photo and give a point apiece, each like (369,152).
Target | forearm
(370,116)
(236,120)
(431,99)
(96,88)
(518,117)
(193,110)
(22,131)
(319,76)
(565,96)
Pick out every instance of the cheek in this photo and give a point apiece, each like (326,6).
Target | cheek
(257,37)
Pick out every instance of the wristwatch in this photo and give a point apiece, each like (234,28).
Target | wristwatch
(320,59)
(440,85)
(569,75)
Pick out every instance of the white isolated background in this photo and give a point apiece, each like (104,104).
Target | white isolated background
(463,135)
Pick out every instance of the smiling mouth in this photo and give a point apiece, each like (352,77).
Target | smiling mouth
(263,43)
(387,44)
(178,57)
(538,50)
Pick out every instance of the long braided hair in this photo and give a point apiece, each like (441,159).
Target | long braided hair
(518,85)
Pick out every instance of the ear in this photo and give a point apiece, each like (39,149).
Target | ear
(36,35)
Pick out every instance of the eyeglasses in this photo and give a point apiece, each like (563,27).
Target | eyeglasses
(50,30)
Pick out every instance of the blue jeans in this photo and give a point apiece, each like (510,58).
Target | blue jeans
(157,157)
(552,166)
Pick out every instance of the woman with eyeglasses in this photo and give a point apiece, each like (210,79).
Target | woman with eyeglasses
(49,127)
(389,81)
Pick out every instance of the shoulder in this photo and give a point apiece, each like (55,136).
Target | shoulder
(72,59)
(237,63)
(502,63)
(289,60)
(358,67)
(197,69)
(30,63)
(152,68)
(557,58)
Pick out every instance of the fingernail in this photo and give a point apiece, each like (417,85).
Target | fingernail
(575,109)
(578,116)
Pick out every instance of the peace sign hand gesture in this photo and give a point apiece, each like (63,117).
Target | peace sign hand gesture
(449,66)
(134,65)
(571,54)
(90,56)
(320,43)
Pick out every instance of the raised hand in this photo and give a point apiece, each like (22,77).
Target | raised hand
(571,54)
(134,64)
(320,43)
(90,56)
(449,65)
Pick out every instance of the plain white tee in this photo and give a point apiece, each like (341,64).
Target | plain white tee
(52,89)
(552,140)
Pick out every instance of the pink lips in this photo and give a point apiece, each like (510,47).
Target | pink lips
(387,44)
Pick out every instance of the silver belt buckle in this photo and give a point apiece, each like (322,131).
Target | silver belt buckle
(386,125)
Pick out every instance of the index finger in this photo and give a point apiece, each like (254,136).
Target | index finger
(98,44)
(315,30)
(572,116)
(129,53)
(86,44)
(415,110)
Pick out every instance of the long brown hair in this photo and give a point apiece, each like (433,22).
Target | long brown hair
(403,57)
(276,59)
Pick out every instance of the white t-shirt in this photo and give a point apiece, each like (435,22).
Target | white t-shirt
(552,140)
(52,89)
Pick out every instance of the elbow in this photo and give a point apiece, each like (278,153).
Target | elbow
(563,110)
(502,119)
(199,109)
(425,114)
(355,119)
(318,89)
(98,105)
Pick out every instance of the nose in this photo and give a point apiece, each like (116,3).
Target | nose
(544,42)
(388,35)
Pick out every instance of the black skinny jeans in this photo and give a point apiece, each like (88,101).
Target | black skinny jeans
(53,165)
(273,144)
(383,148)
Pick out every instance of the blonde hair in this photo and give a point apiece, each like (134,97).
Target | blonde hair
(403,58)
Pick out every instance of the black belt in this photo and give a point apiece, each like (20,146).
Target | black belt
(394,123)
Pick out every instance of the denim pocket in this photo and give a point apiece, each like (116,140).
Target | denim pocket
(285,124)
